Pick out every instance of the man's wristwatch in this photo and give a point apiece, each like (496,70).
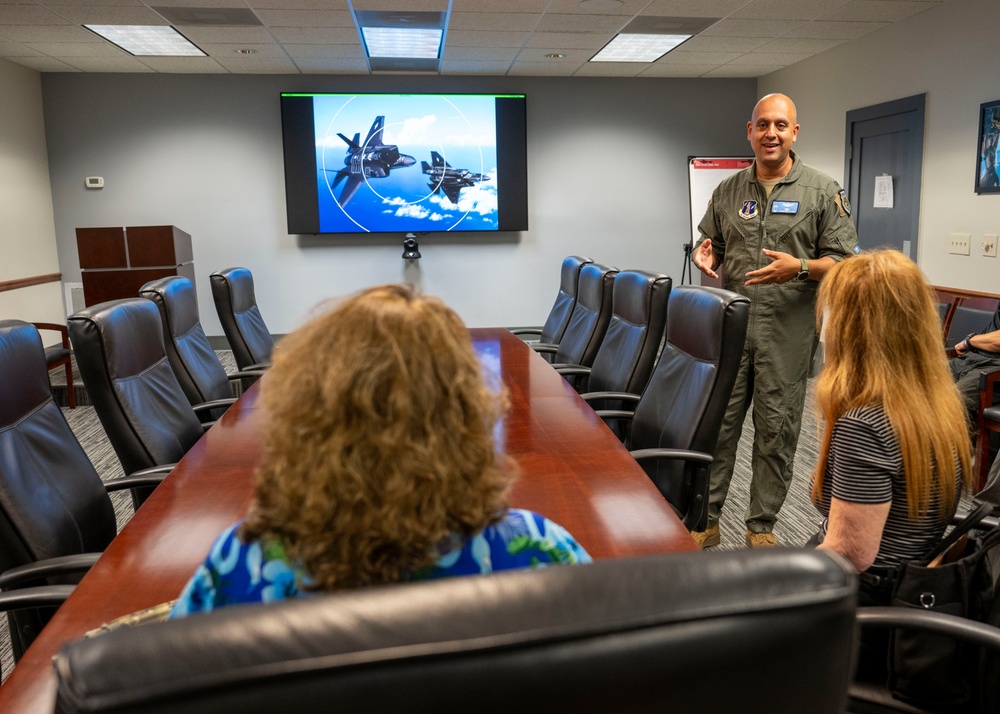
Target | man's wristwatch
(803,274)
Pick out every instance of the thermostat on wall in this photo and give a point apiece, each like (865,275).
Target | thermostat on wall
(94,182)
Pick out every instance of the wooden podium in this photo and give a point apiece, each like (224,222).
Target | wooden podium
(116,262)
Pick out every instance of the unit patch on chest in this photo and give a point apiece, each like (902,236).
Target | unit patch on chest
(749,210)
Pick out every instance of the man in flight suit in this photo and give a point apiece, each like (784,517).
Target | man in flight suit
(775,228)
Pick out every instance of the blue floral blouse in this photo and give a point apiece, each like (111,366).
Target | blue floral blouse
(237,572)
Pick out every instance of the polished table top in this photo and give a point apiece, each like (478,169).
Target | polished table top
(573,470)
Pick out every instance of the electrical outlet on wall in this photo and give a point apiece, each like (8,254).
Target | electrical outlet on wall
(958,243)
(990,245)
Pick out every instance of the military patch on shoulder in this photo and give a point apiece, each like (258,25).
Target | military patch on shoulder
(842,203)
(749,210)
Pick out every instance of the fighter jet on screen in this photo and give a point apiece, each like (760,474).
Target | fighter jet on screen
(445,179)
(373,159)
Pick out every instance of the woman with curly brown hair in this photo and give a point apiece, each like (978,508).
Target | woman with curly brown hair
(379,464)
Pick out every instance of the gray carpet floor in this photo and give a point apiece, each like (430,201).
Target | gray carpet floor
(797,522)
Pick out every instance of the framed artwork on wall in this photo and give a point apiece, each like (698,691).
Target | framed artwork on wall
(987,166)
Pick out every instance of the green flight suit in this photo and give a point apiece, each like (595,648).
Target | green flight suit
(807,216)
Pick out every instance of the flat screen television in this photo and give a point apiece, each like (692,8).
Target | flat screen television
(404,163)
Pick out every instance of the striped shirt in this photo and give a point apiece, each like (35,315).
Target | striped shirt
(865,465)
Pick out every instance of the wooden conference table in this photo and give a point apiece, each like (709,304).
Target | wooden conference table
(573,470)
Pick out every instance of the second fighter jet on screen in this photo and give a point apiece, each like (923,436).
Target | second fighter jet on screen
(445,179)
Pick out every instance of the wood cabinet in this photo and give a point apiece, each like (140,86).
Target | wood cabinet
(116,262)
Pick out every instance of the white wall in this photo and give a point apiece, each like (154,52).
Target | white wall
(951,53)
(27,231)
(607,178)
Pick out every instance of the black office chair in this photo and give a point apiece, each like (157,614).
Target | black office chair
(232,290)
(198,369)
(628,351)
(677,419)
(555,324)
(120,353)
(589,320)
(55,514)
(59,355)
(678,632)
(876,698)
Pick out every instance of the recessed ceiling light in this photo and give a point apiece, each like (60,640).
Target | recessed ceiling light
(148,40)
(555,55)
(638,48)
(402,42)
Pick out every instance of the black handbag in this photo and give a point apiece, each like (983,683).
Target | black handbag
(956,579)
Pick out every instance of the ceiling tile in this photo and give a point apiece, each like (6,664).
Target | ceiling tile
(304,52)
(611,69)
(316,35)
(541,69)
(402,5)
(769,58)
(472,38)
(79,49)
(197,3)
(183,65)
(530,6)
(57,4)
(62,33)
(581,23)
(878,10)
(703,43)
(493,21)
(226,50)
(44,64)
(752,28)
(694,8)
(677,70)
(108,64)
(16,49)
(568,40)
(786,44)
(537,54)
(297,5)
(788,9)
(704,58)
(599,7)
(731,70)
(235,35)
(29,15)
(305,18)
(490,67)
(254,64)
(336,65)
(109,15)
(480,53)
(822,29)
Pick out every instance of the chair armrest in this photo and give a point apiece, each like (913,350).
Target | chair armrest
(682,454)
(622,396)
(55,327)
(161,469)
(527,331)
(79,562)
(246,374)
(987,381)
(214,404)
(135,481)
(571,369)
(960,628)
(42,596)
(606,414)
(543,346)
(258,367)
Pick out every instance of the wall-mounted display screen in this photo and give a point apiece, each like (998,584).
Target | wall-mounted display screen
(404,163)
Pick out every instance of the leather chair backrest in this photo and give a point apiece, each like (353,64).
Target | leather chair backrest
(555,323)
(232,290)
(119,350)
(627,353)
(679,632)
(964,321)
(192,358)
(687,395)
(590,317)
(52,502)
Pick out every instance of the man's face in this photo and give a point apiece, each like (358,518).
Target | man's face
(772,131)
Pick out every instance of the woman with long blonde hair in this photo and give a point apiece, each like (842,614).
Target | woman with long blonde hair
(894,455)
(379,463)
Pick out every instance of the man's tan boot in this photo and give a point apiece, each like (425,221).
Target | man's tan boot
(761,540)
(708,537)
